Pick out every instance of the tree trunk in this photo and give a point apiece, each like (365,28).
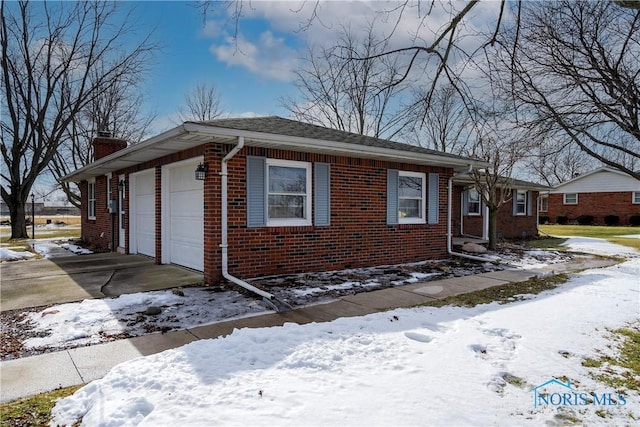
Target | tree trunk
(493,228)
(18,220)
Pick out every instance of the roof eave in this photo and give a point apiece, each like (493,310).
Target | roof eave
(261,139)
(88,171)
(191,134)
(468,180)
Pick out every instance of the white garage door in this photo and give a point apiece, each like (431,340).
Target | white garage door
(143,214)
(185,225)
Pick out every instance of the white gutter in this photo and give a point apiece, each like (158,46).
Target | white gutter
(449,234)
(269,298)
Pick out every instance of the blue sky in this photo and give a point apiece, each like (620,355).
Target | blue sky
(185,59)
(255,69)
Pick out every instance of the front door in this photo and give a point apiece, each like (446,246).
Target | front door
(122,190)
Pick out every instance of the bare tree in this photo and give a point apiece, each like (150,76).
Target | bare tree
(354,96)
(202,104)
(573,69)
(118,110)
(448,45)
(443,125)
(50,54)
(553,162)
(503,144)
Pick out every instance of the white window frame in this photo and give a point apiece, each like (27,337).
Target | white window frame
(91,199)
(544,203)
(108,188)
(286,222)
(470,203)
(564,199)
(635,197)
(423,204)
(523,203)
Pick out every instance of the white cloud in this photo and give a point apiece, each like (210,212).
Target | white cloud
(292,25)
(211,29)
(269,56)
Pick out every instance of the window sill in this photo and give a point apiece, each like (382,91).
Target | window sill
(287,223)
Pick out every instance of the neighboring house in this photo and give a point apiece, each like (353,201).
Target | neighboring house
(604,191)
(517,218)
(42,209)
(300,198)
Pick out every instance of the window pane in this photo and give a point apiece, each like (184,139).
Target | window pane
(473,202)
(286,207)
(544,204)
(284,179)
(410,186)
(410,208)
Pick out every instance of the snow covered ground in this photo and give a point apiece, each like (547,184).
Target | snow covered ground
(93,321)
(423,366)
(47,248)
(11,255)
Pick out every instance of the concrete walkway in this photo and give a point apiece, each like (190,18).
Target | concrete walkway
(41,282)
(32,375)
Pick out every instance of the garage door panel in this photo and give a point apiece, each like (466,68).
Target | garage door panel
(190,233)
(182,178)
(186,218)
(145,216)
(145,183)
(187,204)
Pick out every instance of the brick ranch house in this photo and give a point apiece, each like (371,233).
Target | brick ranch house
(517,218)
(275,196)
(601,192)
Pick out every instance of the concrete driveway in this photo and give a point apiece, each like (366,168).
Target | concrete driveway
(35,283)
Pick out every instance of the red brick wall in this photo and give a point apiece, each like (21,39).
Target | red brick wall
(97,232)
(103,146)
(358,235)
(597,205)
(509,226)
(514,227)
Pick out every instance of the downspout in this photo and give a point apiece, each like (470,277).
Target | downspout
(449,234)
(270,299)
(485,222)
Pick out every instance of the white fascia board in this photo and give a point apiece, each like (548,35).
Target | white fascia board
(93,169)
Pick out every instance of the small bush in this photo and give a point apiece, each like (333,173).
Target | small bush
(585,219)
(612,220)
(634,220)
(562,219)
(543,219)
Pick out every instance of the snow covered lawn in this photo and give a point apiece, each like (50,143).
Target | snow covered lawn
(423,366)
(7,254)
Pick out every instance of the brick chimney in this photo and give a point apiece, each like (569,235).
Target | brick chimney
(104,144)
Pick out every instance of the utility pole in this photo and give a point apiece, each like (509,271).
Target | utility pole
(33,216)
